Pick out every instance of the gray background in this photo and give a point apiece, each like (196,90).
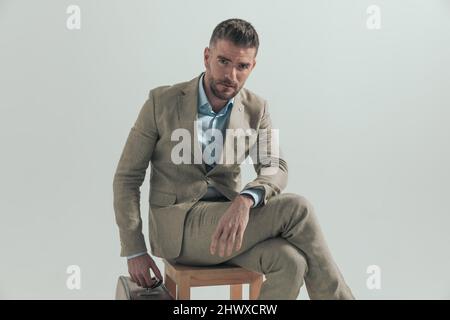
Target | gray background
(363,117)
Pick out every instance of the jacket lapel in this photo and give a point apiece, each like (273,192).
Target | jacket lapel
(187,116)
(238,127)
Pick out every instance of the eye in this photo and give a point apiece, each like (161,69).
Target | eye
(243,66)
(223,61)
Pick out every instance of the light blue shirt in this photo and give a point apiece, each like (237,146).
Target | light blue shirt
(207,119)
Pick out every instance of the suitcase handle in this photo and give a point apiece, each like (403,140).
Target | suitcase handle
(156,284)
(149,291)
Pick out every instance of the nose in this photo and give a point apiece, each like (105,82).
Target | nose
(231,75)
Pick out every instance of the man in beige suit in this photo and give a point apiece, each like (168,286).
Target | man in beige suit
(199,214)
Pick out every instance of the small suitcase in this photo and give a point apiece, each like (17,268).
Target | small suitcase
(129,290)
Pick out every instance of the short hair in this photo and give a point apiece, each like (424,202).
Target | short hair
(238,31)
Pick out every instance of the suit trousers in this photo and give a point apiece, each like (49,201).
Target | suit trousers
(282,240)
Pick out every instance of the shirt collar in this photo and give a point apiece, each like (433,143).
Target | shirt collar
(204,106)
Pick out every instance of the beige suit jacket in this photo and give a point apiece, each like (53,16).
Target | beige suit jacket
(175,188)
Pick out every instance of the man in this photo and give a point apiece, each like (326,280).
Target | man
(199,215)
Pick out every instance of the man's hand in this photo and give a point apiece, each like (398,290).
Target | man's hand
(139,270)
(230,230)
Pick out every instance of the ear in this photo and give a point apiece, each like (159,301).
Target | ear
(206,55)
(254,64)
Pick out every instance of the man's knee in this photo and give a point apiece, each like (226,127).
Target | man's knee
(298,203)
(294,261)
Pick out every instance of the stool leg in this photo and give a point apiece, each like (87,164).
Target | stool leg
(255,287)
(184,289)
(236,292)
(170,285)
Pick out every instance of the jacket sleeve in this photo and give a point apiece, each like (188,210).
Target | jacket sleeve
(129,176)
(270,167)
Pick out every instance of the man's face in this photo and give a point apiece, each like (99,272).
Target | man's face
(227,68)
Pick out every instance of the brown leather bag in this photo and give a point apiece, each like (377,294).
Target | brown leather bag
(129,290)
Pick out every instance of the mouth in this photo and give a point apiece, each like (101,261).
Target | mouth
(227,85)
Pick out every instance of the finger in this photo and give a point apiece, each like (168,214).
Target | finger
(239,238)
(133,278)
(230,244)
(147,278)
(157,272)
(231,241)
(213,245)
(140,280)
(223,242)
(215,239)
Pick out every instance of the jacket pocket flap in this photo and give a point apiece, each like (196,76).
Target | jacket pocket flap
(162,198)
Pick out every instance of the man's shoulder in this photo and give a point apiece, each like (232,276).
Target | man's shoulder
(170,91)
(251,98)
(252,101)
(167,91)
(167,94)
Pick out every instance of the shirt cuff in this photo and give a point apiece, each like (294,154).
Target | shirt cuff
(256,194)
(136,255)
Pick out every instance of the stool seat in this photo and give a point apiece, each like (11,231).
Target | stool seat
(179,279)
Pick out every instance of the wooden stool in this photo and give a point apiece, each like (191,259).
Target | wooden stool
(186,277)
